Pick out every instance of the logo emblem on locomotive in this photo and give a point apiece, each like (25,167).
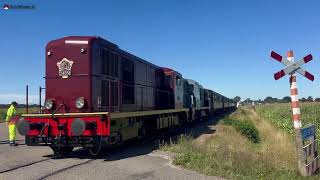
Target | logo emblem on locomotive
(65,67)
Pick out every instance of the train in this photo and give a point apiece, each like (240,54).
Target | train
(99,96)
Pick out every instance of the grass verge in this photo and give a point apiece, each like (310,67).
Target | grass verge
(227,153)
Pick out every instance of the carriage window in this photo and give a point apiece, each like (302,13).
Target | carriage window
(127,70)
(127,67)
(104,93)
(114,93)
(127,94)
(107,65)
(105,62)
(178,81)
(111,64)
(116,65)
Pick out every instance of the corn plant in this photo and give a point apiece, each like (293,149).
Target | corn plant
(281,115)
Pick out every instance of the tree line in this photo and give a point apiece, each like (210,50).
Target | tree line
(270,99)
(19,105)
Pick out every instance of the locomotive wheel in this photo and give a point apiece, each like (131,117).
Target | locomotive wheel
(96,150)
(119,140)
(61,150)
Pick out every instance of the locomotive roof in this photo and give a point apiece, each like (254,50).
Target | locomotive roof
(71,38)
(193,81)
(171,70)
(105,42)
(126,53)
(89,40)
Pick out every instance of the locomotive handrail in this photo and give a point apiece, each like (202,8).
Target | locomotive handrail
(114,115)
(54,112)
(65,114)
(201,108)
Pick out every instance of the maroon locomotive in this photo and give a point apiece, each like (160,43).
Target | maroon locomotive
(99,95)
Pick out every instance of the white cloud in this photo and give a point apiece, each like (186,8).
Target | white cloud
(19,98)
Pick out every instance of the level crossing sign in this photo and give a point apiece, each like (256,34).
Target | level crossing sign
(308,160)
(292,66)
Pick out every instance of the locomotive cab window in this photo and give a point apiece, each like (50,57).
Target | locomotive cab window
(169,80)
(191,87)
(178,81)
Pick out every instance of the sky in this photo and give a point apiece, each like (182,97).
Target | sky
(225,45)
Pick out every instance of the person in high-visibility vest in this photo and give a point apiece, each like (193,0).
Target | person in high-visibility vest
(11,120)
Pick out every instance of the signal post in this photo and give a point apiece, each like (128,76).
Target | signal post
(305,138)
(296,117)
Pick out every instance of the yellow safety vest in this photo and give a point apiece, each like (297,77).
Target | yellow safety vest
(10,113)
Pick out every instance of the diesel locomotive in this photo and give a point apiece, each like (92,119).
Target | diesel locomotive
(98,95)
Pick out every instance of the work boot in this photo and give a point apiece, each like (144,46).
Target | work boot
(12,143)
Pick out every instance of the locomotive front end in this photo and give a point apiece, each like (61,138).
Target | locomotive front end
(69,119)
(65,131)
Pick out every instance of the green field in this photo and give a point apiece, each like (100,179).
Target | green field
(281,115)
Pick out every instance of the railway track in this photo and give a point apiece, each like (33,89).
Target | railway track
(65,169)
(42,160)
(83,152)
(76,153)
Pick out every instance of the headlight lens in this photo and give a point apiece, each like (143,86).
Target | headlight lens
(83,50)
(48,104)
(80,102)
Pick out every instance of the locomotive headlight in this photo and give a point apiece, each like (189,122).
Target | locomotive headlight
(83,50)
(48,104)
(80,102)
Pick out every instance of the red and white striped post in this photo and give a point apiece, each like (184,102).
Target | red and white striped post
(296,118)
(291,68)
(294,95)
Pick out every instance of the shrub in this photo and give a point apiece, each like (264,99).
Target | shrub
(246,128)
